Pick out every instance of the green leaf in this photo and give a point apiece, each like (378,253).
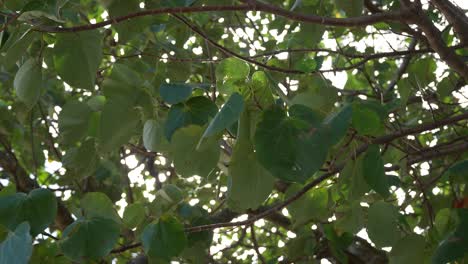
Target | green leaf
(28,82)
(350,218)
(291,148)
(77,57)
(174,93)
(422,72)
(123,85)
(352,8)
(196,111)
(83,160)
(134,215)
(73,121)
(189,159)
(312,205)
(17,247)
(353,176)
(118,125)
(16,45)
(404,89)
(89,238)
(232,69)
(455,245)
(153,135)
(97,102)
(260,91)
(309,36)
(445,87)
(382,224)
(458,172)
(373,171)
(130,28)
(229,113)
(366,120)
(98,205)
(316,93)
(39,208)
(249,183)
(303,245)
(164,239)
(336,125)
(15,5)
(408,250)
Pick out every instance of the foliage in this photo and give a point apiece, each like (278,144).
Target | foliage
(235,131)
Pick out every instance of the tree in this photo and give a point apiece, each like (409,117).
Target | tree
(239,131)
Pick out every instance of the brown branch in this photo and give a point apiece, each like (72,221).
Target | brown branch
(125,248)
(416,15)
(454,16)
(256,6)
(255,244)
(402,68)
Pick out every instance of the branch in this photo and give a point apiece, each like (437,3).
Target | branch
(402,68)
(454,16)
(415,15)
(360,21)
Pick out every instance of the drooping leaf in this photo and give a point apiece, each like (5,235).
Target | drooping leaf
(408,250)
(421,72)
(123,85)
(196,111)
(17,246)
(38,208)
(82,160)
(164,239)
(77,57)
(455,245)
(352,8)
(152,135)
(249,182)
(316,93)
(118,124)
(229,113)
(291,148)
(28,82)
(189,159)
(134,214)
(366,120)
(309,35)
(89,238)
(260,91)
(232,69)
(312,205)
(73,121)
(373,170)
(174,93)
(351,218)
(127,30)
(337,123)
(16,45)
(353,176)
(98,205)
(382,224)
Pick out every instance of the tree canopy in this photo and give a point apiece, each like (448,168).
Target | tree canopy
(233,131)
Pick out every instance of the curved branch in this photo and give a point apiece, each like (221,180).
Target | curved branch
(256,6)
